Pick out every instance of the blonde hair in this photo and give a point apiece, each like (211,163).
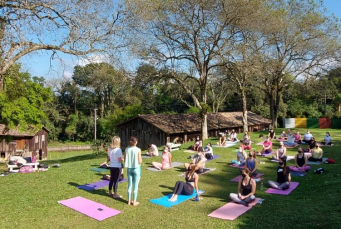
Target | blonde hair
(116,142)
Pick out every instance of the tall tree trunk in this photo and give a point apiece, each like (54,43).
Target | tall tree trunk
(245,124)
(204,134)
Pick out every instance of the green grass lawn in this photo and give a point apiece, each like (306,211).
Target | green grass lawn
(30,200)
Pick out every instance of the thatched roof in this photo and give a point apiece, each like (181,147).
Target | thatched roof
(29,131)
(181,123)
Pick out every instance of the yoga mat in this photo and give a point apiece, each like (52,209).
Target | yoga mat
(232,210)
(296,173)
(237,178)
(163,201)
(317,162)
(97,185)
(259,143)
(288,158)
(286,192)
(206,170)
(237,166)
(290,147)
(214,157)
(89,208)
(190,151)
(266,154)
(100,169)
(176,164)
(228,144)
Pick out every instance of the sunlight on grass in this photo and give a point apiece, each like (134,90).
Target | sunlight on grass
(30,200)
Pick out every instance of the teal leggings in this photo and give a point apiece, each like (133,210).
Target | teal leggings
(134,176)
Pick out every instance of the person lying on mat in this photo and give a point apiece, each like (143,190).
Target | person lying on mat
(199,161)
(251,163)
(267,146)
(272,134)
(307,137)
(197,143)
(241,156)
(301,162)
(186,188)
(316,153)
(152,150)
(280,152)
(283,175)
(246,189)
(327,139)
(291,139)
(298,137)
(166,160)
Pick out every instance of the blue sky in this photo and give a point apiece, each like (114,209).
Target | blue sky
(40,64)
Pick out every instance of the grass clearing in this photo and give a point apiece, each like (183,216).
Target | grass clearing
(30,200)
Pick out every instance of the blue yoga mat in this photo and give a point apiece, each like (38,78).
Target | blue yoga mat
(163,201)
(299,174)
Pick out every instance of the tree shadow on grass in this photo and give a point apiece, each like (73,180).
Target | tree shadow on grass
(73,159)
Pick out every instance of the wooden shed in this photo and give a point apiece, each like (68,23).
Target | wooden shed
(26,143)
(162,128)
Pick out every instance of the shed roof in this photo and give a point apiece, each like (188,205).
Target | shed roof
(181,123)
(29,131)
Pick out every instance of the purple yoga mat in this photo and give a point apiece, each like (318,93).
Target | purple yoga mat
(237,166)
(237,178)
(232,210)
(286,192)
(90,208)
(214,157)
(266,154)
(97,185)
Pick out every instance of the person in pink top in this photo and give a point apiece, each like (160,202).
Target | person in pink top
(298,138)
(166,160)
(267,146)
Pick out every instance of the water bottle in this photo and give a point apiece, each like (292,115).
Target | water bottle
(196,198)
(261,185)
(260,161)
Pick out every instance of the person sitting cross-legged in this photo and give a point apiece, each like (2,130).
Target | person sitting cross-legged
(301,162)
(283,176)
(316,153)
(246,189)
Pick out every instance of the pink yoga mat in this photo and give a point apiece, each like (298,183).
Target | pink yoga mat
(90,208)
(260,143)
(237,178)
(286,192)
(232,210)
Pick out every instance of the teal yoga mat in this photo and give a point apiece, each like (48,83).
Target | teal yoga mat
(163,201)
(100,170)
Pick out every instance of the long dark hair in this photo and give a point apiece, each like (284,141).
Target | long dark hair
(284,160)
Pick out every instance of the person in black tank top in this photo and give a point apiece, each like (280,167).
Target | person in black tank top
(246,189)
(186,188)
(283,176)
(301,162)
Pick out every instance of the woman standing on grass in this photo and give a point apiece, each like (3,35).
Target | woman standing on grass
(133,161)
(283,175)
(166,160)
(246,189)
(186,188)
(115,159)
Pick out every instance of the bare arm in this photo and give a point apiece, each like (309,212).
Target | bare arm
(170,159)
(255,168)
(240,188)
(140,158)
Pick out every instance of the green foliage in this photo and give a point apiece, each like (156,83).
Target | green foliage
(192,110)
(23,101)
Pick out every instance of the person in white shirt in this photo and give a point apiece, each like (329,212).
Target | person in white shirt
(152,150)
(307,137)
(327,139)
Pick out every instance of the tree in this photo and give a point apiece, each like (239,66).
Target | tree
(73,27)
(297,40)
(23,100)
(187,36)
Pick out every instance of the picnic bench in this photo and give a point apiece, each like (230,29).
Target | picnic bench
(15,168)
